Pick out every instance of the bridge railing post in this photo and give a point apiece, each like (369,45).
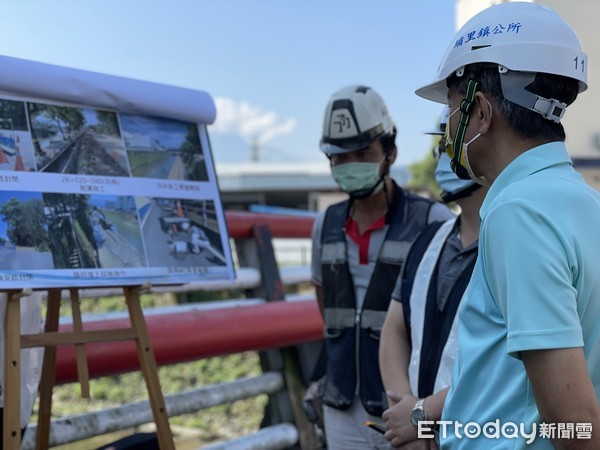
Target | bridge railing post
(284,406)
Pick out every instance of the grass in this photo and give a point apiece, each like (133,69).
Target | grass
(206,426)
(210,425)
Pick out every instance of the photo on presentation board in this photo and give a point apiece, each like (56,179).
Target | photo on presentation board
(16,148)
(77,140)
(93,197)
(183,232)
(162,148)
(24,239)
(94,231)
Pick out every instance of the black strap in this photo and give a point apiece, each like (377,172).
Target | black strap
(411,265)
(437,326)
(465,110)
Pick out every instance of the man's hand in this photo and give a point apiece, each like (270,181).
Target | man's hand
(397,419)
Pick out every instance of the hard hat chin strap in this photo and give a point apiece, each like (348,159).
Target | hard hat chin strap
(465,110)
(514,86)
(448,197)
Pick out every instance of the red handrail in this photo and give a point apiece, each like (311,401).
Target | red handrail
(240,224)
(191,335)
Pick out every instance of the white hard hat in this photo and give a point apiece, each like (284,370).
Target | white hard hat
(354,118)
(444,116)
(518,36)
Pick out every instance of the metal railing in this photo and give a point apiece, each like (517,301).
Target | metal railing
(262,322)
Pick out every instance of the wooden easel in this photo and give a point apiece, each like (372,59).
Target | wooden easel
(50,339)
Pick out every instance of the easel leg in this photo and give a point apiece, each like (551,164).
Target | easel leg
(83,373)
(48,373)
(149,369)
(12,372)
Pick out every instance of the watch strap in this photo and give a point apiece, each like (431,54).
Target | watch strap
(418,412)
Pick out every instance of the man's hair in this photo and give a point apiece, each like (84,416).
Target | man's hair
(526,123)
(388,142)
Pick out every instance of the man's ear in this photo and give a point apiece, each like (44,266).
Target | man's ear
(390,156)
(483,113)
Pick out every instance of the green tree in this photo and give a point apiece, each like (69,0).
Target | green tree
(67,119)
(13,116)
(25,222)
(73,118)
(422,173)
(12,214)
(108,122)
(35,230)
(191,145)
(191,154)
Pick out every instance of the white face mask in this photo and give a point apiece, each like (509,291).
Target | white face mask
(467,164)
(358,178)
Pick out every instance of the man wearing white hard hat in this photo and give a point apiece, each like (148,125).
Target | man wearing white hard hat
(528,366)
(418,341)
(359,247)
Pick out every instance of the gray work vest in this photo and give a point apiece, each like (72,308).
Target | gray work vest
(352,337)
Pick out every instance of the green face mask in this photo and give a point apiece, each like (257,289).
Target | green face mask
(358,179)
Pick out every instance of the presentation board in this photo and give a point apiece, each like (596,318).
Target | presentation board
(105,181)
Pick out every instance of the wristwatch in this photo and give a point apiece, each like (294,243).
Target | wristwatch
(418,414)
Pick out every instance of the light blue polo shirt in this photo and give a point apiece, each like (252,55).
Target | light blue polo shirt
(536,285)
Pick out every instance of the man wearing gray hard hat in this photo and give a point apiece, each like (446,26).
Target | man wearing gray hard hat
(359,247)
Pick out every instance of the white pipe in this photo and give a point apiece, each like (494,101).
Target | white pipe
(77,428)
(186,307)
(275,437)
(246,278)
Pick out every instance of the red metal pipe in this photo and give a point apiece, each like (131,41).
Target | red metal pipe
(180,337)
(240,224)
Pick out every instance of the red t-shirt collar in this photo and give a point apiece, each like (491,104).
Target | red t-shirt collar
(363,240)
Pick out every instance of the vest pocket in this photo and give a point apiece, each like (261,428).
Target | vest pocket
(374,333)
(333,333)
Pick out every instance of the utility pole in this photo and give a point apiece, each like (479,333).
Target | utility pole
(255,149)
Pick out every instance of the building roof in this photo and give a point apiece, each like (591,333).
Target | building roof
(267,176)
